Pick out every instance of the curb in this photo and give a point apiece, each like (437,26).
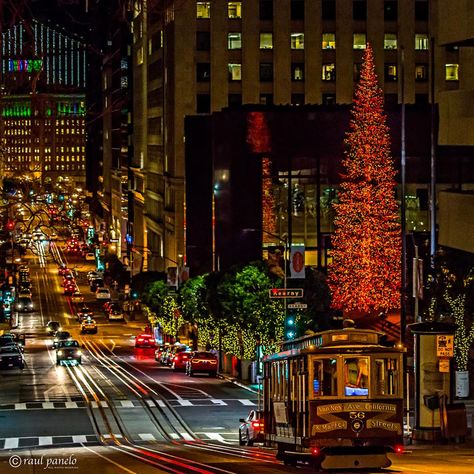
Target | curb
(236,382)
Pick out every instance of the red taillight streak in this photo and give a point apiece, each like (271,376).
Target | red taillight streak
(315,451)
(399,449)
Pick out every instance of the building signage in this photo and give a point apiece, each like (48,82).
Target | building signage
(286,293)
(297,261)
(445,345)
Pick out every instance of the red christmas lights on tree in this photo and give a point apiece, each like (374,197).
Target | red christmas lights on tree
(365,272)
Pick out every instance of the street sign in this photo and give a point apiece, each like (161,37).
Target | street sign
(286,293)
(297,306)
(445,345)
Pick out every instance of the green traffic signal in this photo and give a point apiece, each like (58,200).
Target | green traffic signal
(290,329)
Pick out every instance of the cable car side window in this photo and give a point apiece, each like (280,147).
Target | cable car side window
(387,377)
(356,376)
(324,377)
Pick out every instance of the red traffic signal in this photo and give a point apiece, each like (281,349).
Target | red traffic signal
(10,224)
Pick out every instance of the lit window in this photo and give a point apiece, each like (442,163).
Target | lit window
(329,41)
(452,72)
(203,10)
(421,41)
(234,9)
(390,41)
(359,41)
(297,72)
(266,40)
(235,72)
(421,72)
(329,72)
(297,40)
(234,40)
(390,72)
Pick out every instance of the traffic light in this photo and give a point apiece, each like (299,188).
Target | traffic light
(290,326)
(134,294)
(10,224)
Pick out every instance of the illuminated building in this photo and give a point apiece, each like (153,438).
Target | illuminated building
(198,57)
(42,103)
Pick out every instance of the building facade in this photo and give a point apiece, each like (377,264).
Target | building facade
(198,57)
(42,102)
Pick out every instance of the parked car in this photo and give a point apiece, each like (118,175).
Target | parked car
(68,351)
(77,297)
(93,275)
(96,283)
(180,360)
(251,428)
(145,340)
(205,362)
(11,356)
(90,256)
(102,293)
(7,339)
(89,326)
(83,313)
(24,304)
(159,351)
(115,314)
(52,327)
(173,351)
(60,336)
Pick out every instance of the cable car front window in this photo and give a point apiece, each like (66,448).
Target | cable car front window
(356,376)
(386,377)
(324,377)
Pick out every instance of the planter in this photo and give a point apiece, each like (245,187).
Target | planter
(462,383)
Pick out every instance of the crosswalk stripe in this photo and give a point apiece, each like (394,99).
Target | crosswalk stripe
(126,403)
(45,440)
(20,406)
(218,402)
(146,437)
(185,403)
(215,436)
(174,435)
(71,404)
(47,405)
(247,402)
(186,436)
(11,443)
(79,439)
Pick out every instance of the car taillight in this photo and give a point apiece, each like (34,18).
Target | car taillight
(257,424)
(399,449)
(152,340)
(315,451)
(140,339)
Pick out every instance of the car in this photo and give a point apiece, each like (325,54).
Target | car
(159,351)
(83,313)
(180,360)
(7,339)
(173,351)
(19,339)
(52,327)
(77,297)
(96,283)
(90,256)
(94,275)
(11,356)
(24,293)
(68,351)
(102,293)
(110,306)
(68,278)
(59,337)
(24,304)
(70,289)
(62,270)
(145,340)
(251,428)
(115,314)
(89,326)
(202,362)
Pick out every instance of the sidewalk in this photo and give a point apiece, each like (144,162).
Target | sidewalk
(254,388)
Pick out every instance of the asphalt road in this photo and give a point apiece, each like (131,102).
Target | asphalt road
(120,411)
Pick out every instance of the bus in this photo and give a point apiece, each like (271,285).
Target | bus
(334,399)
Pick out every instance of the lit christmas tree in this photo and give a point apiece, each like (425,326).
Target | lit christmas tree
(365,273)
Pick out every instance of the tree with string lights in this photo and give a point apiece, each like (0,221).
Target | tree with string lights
(364,276)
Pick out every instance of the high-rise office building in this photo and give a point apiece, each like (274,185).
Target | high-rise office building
(197,57)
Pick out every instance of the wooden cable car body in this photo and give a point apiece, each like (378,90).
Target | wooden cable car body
(335,399)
